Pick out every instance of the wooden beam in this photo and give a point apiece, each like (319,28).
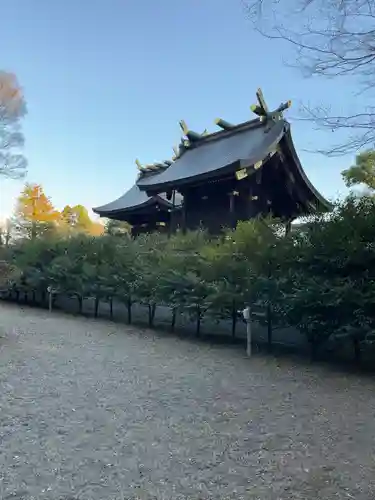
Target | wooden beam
(284,106)
(190,134)
(183,127)
(193,136)
(262,102)
(261,109)
(223,124)
(257,110)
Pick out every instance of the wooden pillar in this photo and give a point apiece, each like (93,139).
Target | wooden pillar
(232,210)
(172,219)
(184,216)
(250,204)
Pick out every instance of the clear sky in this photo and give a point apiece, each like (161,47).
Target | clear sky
(106,82)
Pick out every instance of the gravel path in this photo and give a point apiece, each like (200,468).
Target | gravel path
(92,410)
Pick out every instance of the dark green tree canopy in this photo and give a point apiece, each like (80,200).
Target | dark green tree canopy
(362,172)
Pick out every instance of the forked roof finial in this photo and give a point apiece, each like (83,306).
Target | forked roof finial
(261,109)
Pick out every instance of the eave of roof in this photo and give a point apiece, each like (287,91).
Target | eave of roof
(323,204)
(133,200)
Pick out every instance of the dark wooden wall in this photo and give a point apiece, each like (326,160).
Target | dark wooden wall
(219,205)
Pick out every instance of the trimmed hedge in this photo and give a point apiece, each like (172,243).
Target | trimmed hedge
(319,279)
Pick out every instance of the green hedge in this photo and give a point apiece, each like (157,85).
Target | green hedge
(319,279)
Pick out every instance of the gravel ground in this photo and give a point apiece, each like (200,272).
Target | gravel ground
(93,410)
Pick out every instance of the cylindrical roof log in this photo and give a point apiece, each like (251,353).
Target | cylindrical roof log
(223,124)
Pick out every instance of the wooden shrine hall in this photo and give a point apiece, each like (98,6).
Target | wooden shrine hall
(237,173)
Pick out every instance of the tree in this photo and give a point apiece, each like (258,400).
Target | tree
(12,109)
(179,275)
(117,227)
(35,215)
(69,272)
(363,172)
(332,39)
(329,290)
(6,233)
(96,229)
(77,220)
(76,217)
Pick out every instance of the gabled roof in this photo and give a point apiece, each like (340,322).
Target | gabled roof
(235,150)
(244,146)
(133,200)
(240,147)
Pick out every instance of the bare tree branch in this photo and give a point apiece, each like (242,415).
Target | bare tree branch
(12,110)
(332,38)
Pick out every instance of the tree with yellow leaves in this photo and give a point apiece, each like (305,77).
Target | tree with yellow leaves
(35,215)
(77,220)
(12,109)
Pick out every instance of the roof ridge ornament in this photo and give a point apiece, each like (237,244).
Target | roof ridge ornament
(261,109)
(189,137)
(190,134)
(223,124)
(152,167)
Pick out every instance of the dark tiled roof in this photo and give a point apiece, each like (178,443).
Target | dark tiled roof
(132,200)
(242,146)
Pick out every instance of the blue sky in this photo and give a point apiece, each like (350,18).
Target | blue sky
(106,81)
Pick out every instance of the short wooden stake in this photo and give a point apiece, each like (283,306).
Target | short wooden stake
(49,290)
(247,317)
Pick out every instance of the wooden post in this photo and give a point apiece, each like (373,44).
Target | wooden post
(234,318)
(96,309)
(173,211)
(111,307)
(49,290)
(171,228)
(199,318)
(247,317)
(129,306)
(232,210)
(269,326)
(357,350)
(184,216)
(250,204)
(173,323)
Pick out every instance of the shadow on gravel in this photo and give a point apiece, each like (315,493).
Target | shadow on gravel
(287,344)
